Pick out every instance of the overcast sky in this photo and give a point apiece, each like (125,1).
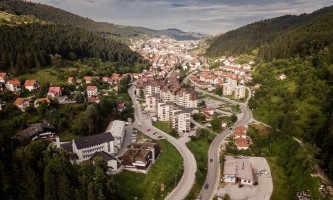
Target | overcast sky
(203,16)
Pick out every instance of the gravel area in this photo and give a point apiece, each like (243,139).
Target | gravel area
(262,191)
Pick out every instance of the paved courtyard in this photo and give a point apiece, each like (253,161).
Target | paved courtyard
(262,191)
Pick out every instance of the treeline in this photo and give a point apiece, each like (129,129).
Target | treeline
(36,171)
(252,36)
(25,47)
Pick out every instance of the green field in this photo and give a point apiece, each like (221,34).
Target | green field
(166,128)
(50,75)
(166,170)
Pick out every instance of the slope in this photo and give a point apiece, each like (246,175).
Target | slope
(252,36)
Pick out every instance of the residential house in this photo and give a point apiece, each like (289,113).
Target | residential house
(238,170)
(3,77)
(13,85)
(240,132)
(241,143)
(21,103)
(38,101)
(120,106)
(31,85)
(91,91)
(38,131)
(70,80)
(87,79)
(54,92)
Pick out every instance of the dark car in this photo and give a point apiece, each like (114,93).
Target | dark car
(206,186)
(148,129)
(211,160)
(160,136)
(240,185)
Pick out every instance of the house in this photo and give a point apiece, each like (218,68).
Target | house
(241,143)
(31,85)
(13,85)
(91,91)
(4,77)
(70,80)
(38,101)
(140,156)
(54,92)
(87,79)
(107,80)
(21,103)
(238,171)
(240,132)
(120,106)
(93,100)
(209,111)
(38,131)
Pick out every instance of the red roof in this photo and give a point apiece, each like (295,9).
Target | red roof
(91,88)
(29,82)
(54,90)
(14,82)
(240,131)
(3,74)
(70,79)
(241,142)
(19,101)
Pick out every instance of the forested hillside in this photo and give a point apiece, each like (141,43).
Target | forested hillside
(40,45)
(49,13)
(252,36)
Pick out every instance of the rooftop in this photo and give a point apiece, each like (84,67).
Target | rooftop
(93,140)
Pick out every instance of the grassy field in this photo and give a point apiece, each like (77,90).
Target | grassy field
(166,170)
(166,127)
(199,148)
(44,75)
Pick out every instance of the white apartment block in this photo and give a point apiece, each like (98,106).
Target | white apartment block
(117,129)
(165,111)
(187,100)
(181,120)
(151,102)
(228,89)
(167,95)
(240,92)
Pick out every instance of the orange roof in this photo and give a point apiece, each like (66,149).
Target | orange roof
(91,88)
(70,79)
(87,78)
(241,142)
(240,131)
(3,74)
(19,101)
(29,82)
(47,100)
(14,82)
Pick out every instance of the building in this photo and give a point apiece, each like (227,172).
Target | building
(21,103)
(228,89)
(140,156)
(117,129)
(86,147)
(181,120)
(54,92)
(70,80)
(238,171)
(111,161)
(241,143)
(152,101)
(165,111)
(39,101)
(240,132)
(187,97)
(4,77)
(240,92)
(31,85)
(13,85)
(87,79)
(38,131)
(91,91)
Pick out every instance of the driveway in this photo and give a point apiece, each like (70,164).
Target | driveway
(262,191)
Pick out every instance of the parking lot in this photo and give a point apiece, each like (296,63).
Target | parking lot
(262,191)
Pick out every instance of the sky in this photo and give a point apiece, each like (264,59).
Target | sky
(202,16)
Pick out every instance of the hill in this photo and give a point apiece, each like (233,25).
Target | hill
(252,36)
(49,13)
(43,44)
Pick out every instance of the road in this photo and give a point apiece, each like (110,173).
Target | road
(213,174)
(190,166)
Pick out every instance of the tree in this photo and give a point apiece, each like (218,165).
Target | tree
(216,123)
(226,196)
(233,118)
(219,90)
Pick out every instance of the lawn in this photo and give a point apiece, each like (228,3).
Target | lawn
(50,75)
(166,127)
(166,170)
(199,148)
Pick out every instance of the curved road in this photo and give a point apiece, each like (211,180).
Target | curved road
(213,174)
(190,166)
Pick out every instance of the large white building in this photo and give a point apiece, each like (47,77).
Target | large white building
(240,92)
(181,120)
(151,102)
(228,89)
(187,98)
(238,170)
(165,111)
(117,129)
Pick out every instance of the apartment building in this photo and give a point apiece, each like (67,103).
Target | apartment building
(228,89)
(181,120)
(165,111)
(152,101)
(240,92)
(187,97)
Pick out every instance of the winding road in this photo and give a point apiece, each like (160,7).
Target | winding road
(143,123)
(213,174)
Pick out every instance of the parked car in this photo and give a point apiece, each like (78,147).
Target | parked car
(206,186)
(160,136)
(199,197)
(211,160)
(148,129)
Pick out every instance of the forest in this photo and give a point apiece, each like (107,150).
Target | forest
(22,50)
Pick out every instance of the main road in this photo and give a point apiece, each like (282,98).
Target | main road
(143,123)
(213,174)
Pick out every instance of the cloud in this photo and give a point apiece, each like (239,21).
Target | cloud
(205,16)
